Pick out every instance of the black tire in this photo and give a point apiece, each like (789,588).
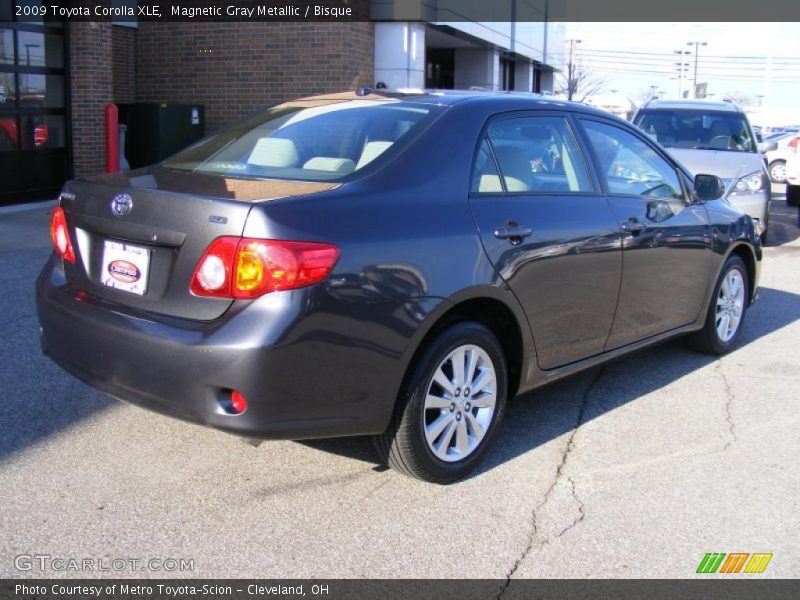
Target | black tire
(707,340)
(776,163)
(792,195)
(403,445)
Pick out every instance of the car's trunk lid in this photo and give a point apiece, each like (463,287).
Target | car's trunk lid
(138,239)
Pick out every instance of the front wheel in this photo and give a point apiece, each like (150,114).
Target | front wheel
(726,313)
(449,406)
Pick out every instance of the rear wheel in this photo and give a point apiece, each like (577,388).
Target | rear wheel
(727,311)
(793,195)
(777,171)
(449,406)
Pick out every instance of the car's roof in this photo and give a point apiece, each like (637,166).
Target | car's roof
(501,99)
(687,104)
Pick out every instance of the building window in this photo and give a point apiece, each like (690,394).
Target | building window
(33,106)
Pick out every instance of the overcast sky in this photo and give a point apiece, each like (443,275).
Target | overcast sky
(742,59)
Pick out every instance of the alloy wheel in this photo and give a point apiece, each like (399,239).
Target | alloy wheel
(460,403)
(730,305)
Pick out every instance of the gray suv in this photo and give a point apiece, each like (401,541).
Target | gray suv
(713,137)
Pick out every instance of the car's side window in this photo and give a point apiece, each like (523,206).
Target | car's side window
(485,178)
(538,155)
(629,165)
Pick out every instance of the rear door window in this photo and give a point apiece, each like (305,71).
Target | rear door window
(538,155)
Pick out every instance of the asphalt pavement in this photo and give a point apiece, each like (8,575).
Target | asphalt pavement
(635,469)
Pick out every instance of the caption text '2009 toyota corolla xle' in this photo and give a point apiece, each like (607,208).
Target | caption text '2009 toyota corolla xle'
(389,264)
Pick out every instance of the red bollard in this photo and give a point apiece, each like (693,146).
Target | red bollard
(112,138)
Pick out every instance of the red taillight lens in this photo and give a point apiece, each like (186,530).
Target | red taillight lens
(59,235)
(244,268)
(793,144)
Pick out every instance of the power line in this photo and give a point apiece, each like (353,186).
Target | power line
(708,71)
(748,78)
(705,56)
(667,59)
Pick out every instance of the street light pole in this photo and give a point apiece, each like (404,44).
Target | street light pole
(696,55)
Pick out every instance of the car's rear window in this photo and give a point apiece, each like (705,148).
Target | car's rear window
(313,140)
(700,129)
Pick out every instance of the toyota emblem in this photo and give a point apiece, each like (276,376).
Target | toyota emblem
(121,204)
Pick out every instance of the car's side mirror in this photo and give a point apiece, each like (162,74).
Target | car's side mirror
(765,147)
(708,187)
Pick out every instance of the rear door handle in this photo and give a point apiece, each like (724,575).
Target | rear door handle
(633,227)
(512,232)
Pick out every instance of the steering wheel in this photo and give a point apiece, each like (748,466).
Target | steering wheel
(720,141)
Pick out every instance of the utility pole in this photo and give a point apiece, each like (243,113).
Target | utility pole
(681,69)
(696,55)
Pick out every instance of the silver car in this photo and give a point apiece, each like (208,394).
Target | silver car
(716,138)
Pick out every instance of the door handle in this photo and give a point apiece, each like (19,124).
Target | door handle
(512,232)
(633,227)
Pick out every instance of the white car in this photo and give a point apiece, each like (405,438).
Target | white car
(776,159)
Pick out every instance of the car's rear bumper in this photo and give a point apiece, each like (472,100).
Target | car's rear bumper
(184,368)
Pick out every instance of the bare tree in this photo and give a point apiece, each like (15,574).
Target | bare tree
(577,83)
(740,98)
(645,94)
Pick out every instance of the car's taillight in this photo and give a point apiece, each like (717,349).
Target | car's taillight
(59,235)
(245,268)
(793,144)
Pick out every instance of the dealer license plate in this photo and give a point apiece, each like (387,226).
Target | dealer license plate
(125,267)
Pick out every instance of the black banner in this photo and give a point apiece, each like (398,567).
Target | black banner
(736,587)
(406,10)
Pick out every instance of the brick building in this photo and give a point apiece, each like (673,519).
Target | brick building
(55,79)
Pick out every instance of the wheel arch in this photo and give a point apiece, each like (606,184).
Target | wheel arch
(493,308)
(747,254)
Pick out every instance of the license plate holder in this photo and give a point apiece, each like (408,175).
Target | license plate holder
(125,267)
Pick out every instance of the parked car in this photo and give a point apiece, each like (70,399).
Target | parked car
(785,129)
(388,264)
(713,137)
(776,159)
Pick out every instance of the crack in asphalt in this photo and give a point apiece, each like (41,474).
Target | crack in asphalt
(728,402)
(581,511)
(533,534)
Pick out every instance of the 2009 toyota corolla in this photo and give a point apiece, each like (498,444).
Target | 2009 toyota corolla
(390,264)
